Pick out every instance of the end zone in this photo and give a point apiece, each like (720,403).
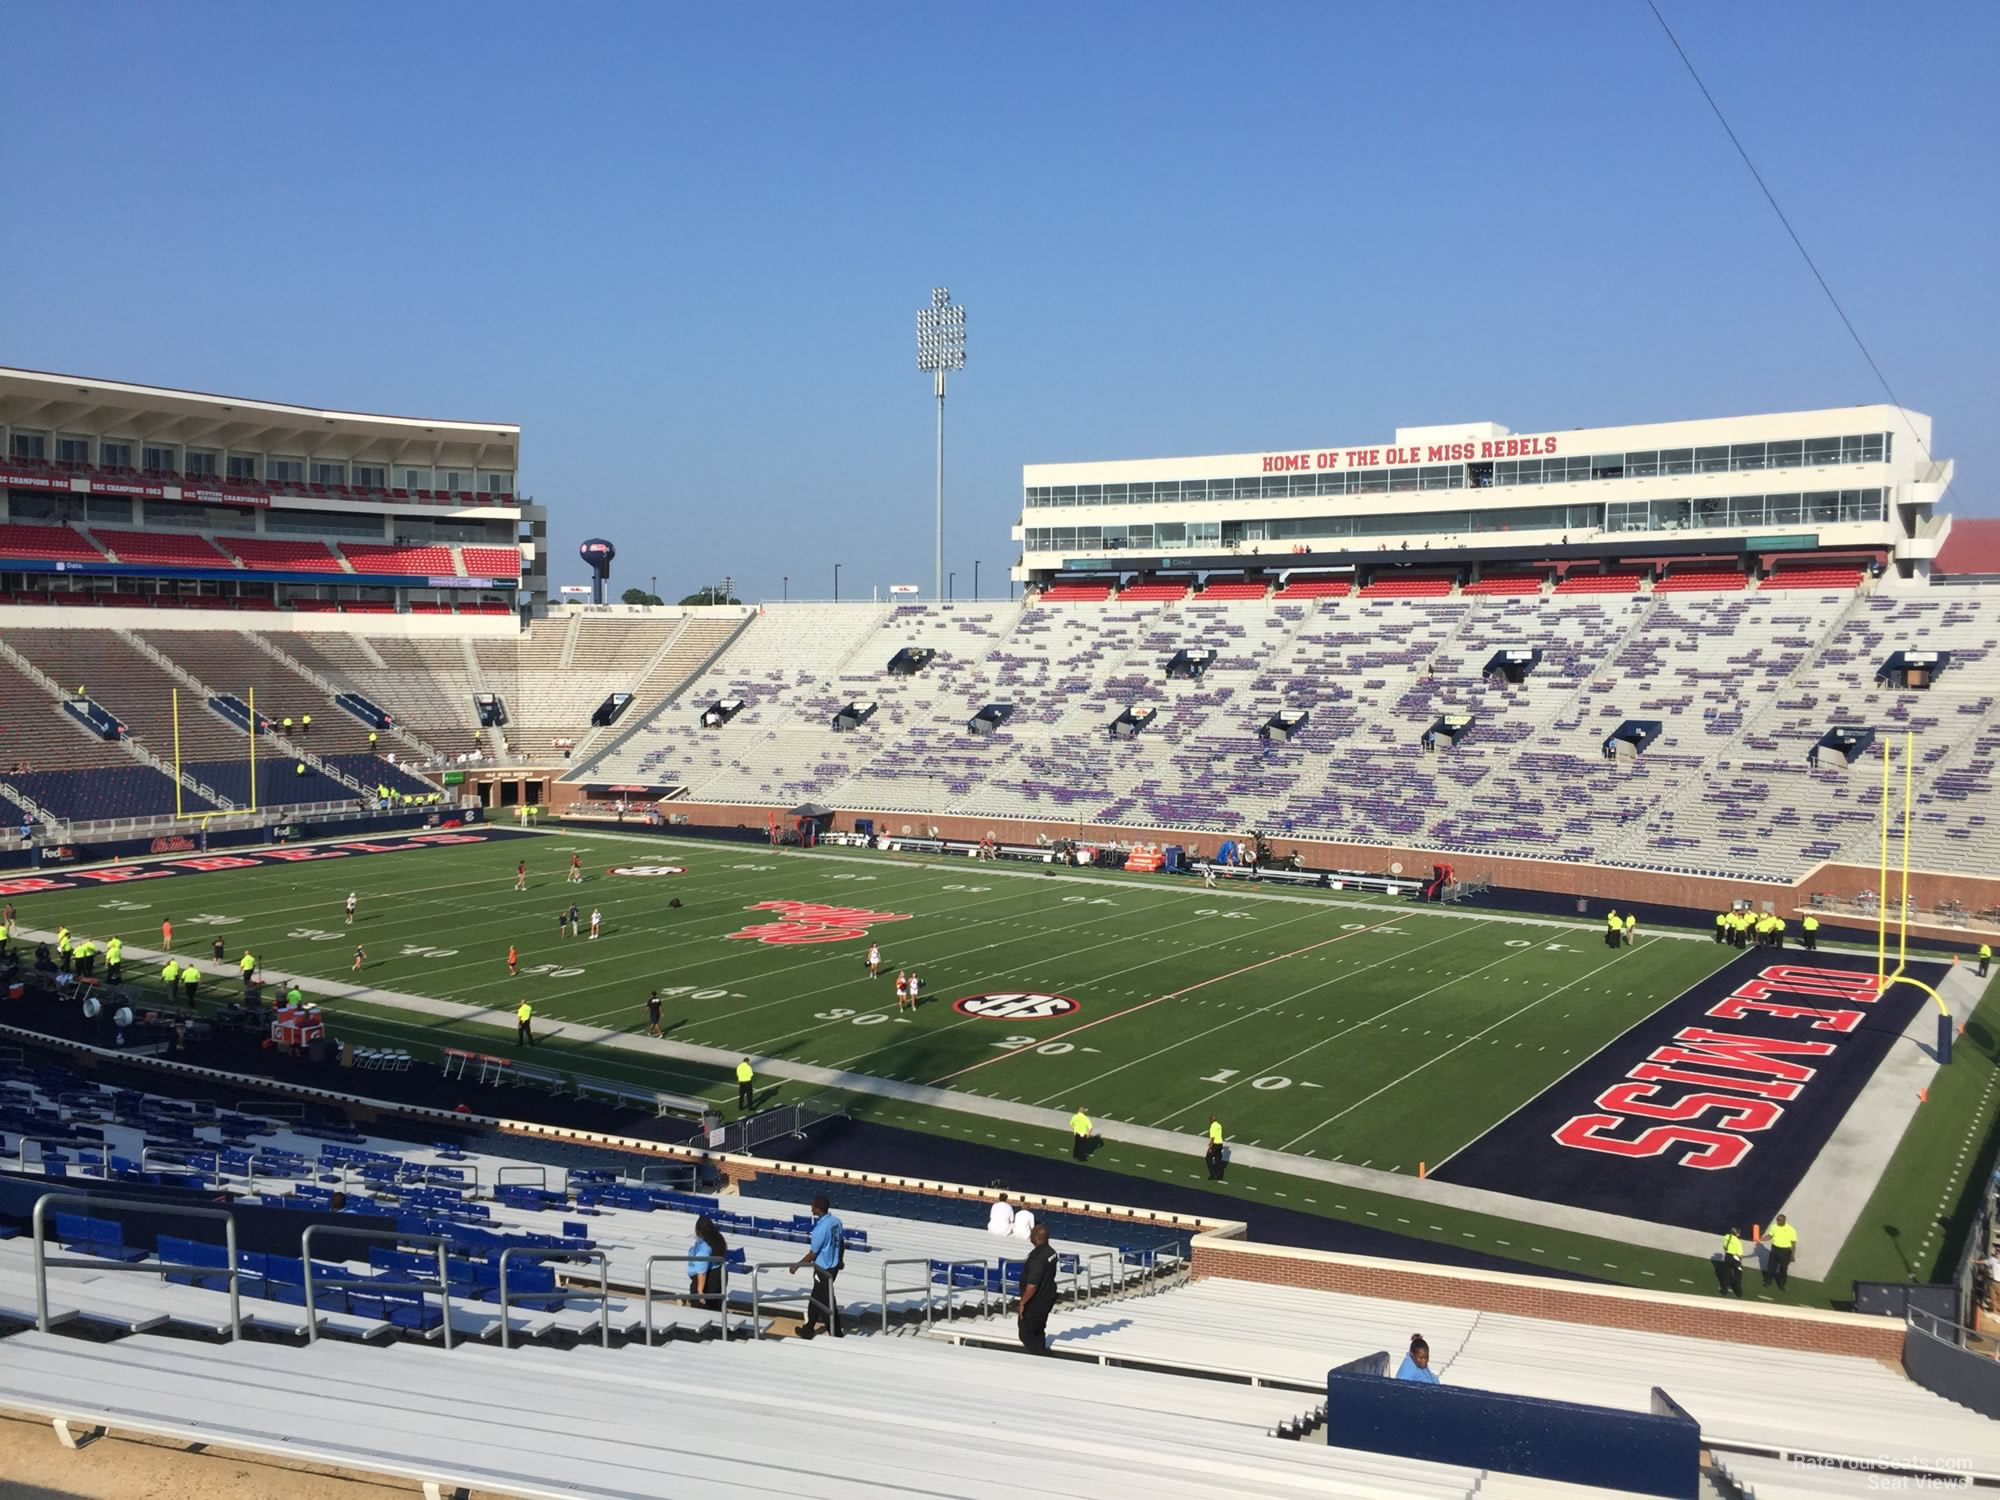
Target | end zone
(1712,1110)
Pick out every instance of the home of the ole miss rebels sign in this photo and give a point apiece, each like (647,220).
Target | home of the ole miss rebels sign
(1463,452)
(1713,1107)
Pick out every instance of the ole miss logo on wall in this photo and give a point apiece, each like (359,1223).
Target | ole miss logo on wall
(814,922)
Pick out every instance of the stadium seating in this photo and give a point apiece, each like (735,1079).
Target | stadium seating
(126,791)
(1153,593)
(1805,576)
(161,547)
(1315,588)
(1236,589)
(277,555)
(228,663)
(47,543)
(1501,584)
(1700,580)
(420,562)
(1610,581)
(492,562)
(1076,593)
(1406,586)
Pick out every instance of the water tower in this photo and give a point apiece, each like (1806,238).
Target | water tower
(598,553)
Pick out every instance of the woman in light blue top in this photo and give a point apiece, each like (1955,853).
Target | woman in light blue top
(1416,1364)
(708,1258)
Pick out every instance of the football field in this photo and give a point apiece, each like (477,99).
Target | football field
(1365,1031)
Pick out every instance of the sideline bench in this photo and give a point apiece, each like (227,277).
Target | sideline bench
(659,1101)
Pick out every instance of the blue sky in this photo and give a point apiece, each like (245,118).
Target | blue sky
(684,246)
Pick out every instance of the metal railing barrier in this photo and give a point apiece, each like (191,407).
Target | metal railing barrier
(722,1296)
(213,1156)
(43,1261)
(341,1283)
(537,1253)
(901,1291)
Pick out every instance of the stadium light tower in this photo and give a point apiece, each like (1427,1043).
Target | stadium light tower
(940,350)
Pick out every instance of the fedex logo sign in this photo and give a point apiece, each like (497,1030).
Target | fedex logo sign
(1703,1095)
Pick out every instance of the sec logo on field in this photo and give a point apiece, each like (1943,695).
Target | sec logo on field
(649,870)
(1017,1007)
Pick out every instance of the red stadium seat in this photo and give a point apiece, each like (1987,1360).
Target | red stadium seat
(1397,586)
(277,556)
(1077,593)
(1165,593)
(1238,588)
(1617,582)
(1702,581)
(47,544)
(160,547)
(1814,578)
(416,562)
(1504,584)
(492,562)
(1317,588)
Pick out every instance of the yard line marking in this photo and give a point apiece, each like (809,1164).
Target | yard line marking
(1440,1056)
(1340,978)
(1162,999)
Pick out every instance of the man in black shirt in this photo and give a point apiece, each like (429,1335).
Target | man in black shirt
(653,1014)
(1038,1292)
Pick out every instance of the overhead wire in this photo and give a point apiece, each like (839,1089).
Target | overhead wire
(1799,244)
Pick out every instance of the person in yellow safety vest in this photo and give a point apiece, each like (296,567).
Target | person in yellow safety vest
(65,951)
(1722,927)
(288,723)
(114,960)
(1744,928)
(171,976)
(299,769)
(306,724)
(1079,1129)
(523,1032)
(746,1085)
(1784,1240)
(248,965)
(62,937)
(1778,932)
(190,977)
(86,958)
(1729,1265)
(1810,930)
(1631,929)
(1214,1153)
(1613,928)
(371,739)
(1985,958)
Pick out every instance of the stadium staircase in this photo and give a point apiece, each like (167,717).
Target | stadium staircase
(331,690)
(62,750)
(292,748)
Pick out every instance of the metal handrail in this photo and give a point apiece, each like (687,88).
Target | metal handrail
(1112,1280)
(715,1263)
(43,1262)
(214,1155)
(1945,1331)
(952,1288)
(339,1283)
(469,1169)
(758,1296)
(76,1147)
(925,1288)
(541,1176)
(538,1253)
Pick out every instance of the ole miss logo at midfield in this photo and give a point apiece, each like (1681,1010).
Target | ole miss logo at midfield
(813,922)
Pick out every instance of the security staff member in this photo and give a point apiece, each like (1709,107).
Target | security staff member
(1985,958)
(1784,1241)
(1729,1267)
(1038,1292)
(65,952)
(746,1084)
(1613,929)
(171,976)
(86,958)
(190,977)
(1722,927)
(288,724)
(1079,1129)
(1631,929)
(249,966)
(306,724)
(299,769)
(1810,930)
(523,1032)
(1214,1157)
(114,961)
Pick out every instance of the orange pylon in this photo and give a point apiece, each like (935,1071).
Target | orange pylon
(1420,1171)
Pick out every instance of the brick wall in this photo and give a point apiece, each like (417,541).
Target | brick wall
(1609,886)
(1560,1301)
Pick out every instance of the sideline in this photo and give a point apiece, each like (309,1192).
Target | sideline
(1054,1122)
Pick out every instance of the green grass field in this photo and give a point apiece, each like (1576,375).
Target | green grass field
(1352,1029)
